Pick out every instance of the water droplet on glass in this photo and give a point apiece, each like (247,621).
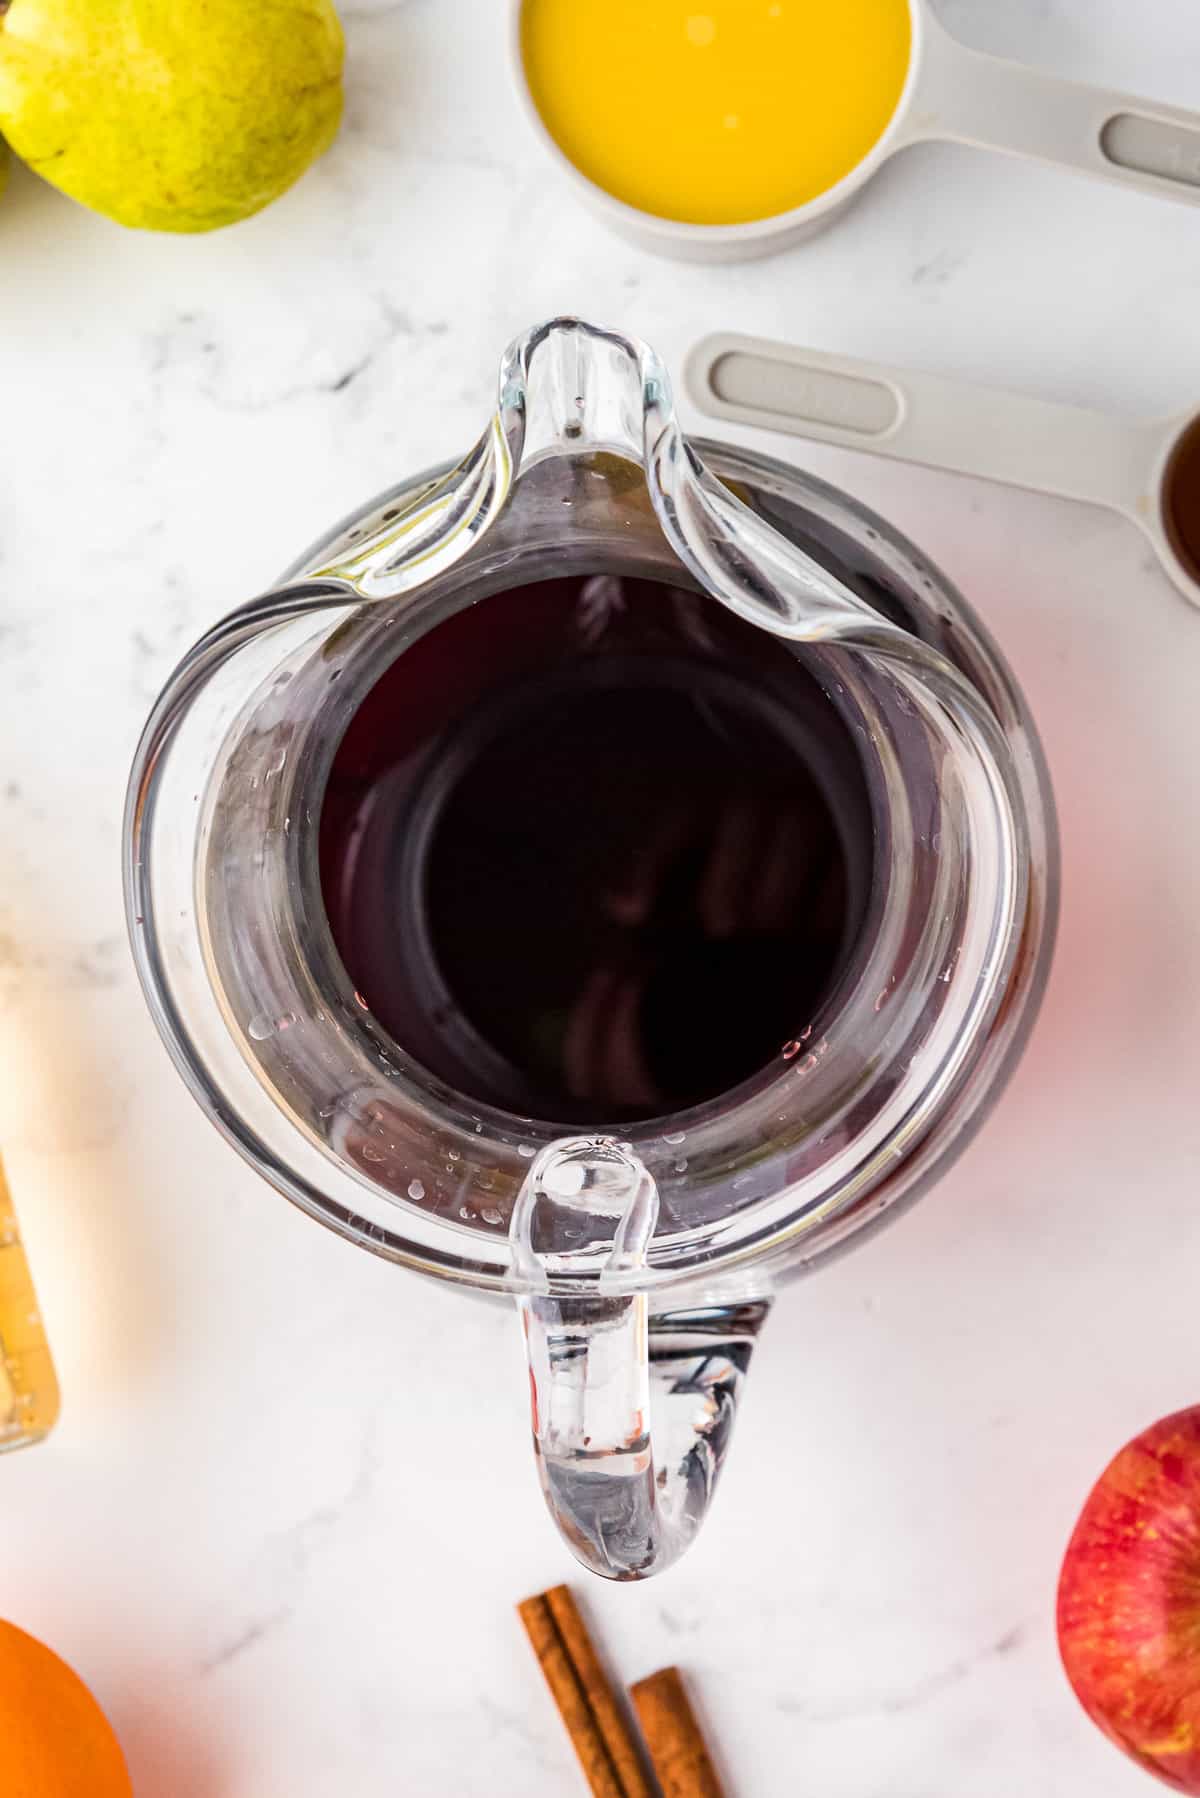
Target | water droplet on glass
(526,1151)
(675,1136)
(371,1154)
(416,1191)
(680,1167)
(275,765)
(491,1214)
(791,1050)
(454,1154)
(359,1000)
(565,1179)
(260,1027)
(464,1211)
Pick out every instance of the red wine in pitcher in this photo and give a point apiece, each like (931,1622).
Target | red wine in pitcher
(595,850)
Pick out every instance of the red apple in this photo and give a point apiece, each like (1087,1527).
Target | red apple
(1129,1601)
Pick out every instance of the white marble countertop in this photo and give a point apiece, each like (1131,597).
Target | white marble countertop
(290,1505)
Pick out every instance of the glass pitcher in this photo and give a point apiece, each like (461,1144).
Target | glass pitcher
(642,1231)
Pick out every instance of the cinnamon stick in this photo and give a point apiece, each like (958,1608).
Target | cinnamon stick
(677,1748)
(593,1714)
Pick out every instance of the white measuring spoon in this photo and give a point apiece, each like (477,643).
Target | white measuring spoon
(951,94)
(1149,472)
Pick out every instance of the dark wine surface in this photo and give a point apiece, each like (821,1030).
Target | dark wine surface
(595,850)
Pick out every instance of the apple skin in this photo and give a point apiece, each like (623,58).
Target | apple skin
(1129,1601)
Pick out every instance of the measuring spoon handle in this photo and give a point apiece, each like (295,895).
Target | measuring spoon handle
(911,417)
(963,96)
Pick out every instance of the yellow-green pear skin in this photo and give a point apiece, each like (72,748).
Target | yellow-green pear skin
(170,115)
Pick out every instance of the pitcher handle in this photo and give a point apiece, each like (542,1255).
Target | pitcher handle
(632,1415)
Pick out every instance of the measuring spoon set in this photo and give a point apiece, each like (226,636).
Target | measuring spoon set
(699,173)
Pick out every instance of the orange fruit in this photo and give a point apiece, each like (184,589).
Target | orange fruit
(55,1741)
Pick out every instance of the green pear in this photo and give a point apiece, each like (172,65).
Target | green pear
(170,115)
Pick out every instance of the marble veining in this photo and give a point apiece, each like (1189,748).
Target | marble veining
(922,1691)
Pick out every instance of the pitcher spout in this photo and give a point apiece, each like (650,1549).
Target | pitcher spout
(570,389)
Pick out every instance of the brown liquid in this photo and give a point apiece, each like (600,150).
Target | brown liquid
(595,850)
(1181,499)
